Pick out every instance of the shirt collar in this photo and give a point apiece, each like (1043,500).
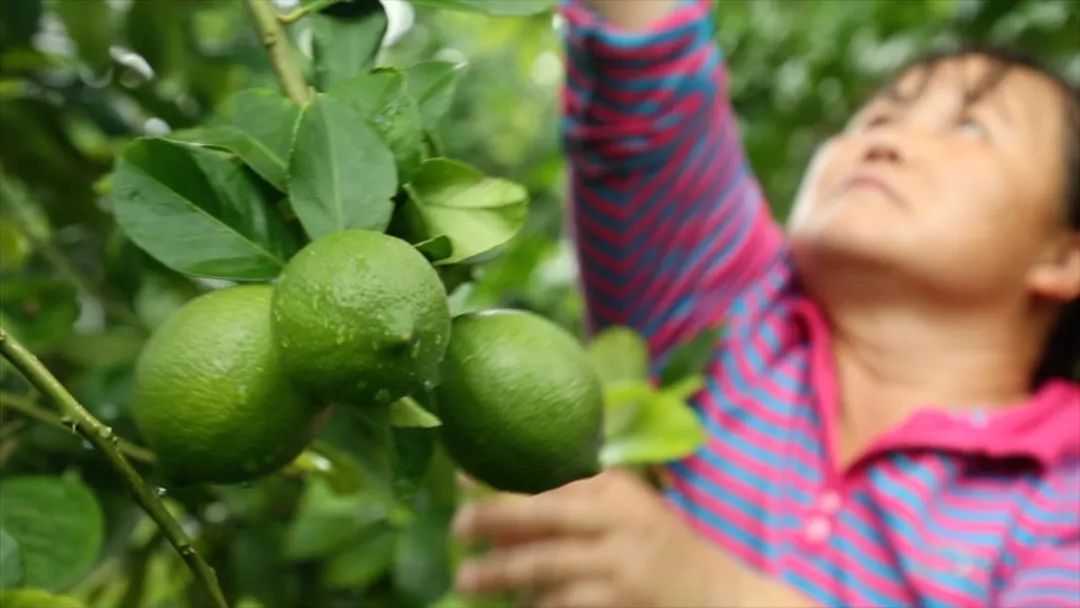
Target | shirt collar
(1045,427)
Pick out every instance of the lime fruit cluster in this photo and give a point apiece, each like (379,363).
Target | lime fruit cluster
(233,385)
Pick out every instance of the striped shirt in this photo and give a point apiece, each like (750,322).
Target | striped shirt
(674,236)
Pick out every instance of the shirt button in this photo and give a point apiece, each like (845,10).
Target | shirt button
(818,529)
(979,419)
(830,502)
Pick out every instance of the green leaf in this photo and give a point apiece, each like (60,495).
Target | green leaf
(364,560)
(382,98)
(685,388)
(198,211)
(413,451)
(326,520)
(436,249)
(20,22)
(155,30)
(344,47)
(89,23)
(496,8)
(117,345)
(422,558)
(619,353)
(255,566)
(58,525)
(24,210)
(39,311)
(659,429)
(37,598)
(690,358)
(160,294)
(338,468)
(408,413)
(431,84)
(341,175)
(621,402)
(477,213)
(11,566)
(366,441)
(15,246)
(257,125)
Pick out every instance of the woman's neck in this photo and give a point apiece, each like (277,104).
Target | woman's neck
(892,362)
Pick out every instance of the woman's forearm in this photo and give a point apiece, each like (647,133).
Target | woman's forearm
(632,14)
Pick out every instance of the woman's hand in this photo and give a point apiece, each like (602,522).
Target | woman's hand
(601,542)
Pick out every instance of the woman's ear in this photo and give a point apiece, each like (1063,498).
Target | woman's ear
(1057,275)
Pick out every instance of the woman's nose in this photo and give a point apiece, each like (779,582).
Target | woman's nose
(881,151)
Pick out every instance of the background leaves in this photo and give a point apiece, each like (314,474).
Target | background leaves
(57,525)
(11,564)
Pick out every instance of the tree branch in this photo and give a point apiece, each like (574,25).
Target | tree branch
(279,49)
(75,416)
(27,407)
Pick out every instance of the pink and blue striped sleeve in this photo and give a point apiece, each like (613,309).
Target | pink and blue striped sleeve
(1048,577)
(669,221)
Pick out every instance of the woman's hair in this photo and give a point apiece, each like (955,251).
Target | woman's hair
(1061,357)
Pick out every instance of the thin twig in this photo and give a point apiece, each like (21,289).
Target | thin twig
(75,416)
(278,47)
(27,407)
(303,10)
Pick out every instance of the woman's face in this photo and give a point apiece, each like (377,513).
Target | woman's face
(961,198)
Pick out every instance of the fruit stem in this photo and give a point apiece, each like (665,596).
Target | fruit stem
(268,25)
(27,407)
(76,417)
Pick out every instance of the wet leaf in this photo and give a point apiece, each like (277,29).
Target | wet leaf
(383,100)
(341,174)
(198,211)
(257,125)
(345,46)
(474,211)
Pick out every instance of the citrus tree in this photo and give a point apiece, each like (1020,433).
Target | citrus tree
(257,367)
(186,188)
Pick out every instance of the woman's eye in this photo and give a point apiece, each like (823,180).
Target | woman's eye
(970,126)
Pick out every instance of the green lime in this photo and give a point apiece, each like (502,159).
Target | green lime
(520,403)
(361,317)
(210,396)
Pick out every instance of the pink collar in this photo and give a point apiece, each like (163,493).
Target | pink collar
(1045,427)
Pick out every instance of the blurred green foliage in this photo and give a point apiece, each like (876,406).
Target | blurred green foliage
(80,78)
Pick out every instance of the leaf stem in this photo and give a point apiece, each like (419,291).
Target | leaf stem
(303,10)
(27,407)
(267,23)
(75,416)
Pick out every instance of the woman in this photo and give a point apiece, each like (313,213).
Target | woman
(890,412)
